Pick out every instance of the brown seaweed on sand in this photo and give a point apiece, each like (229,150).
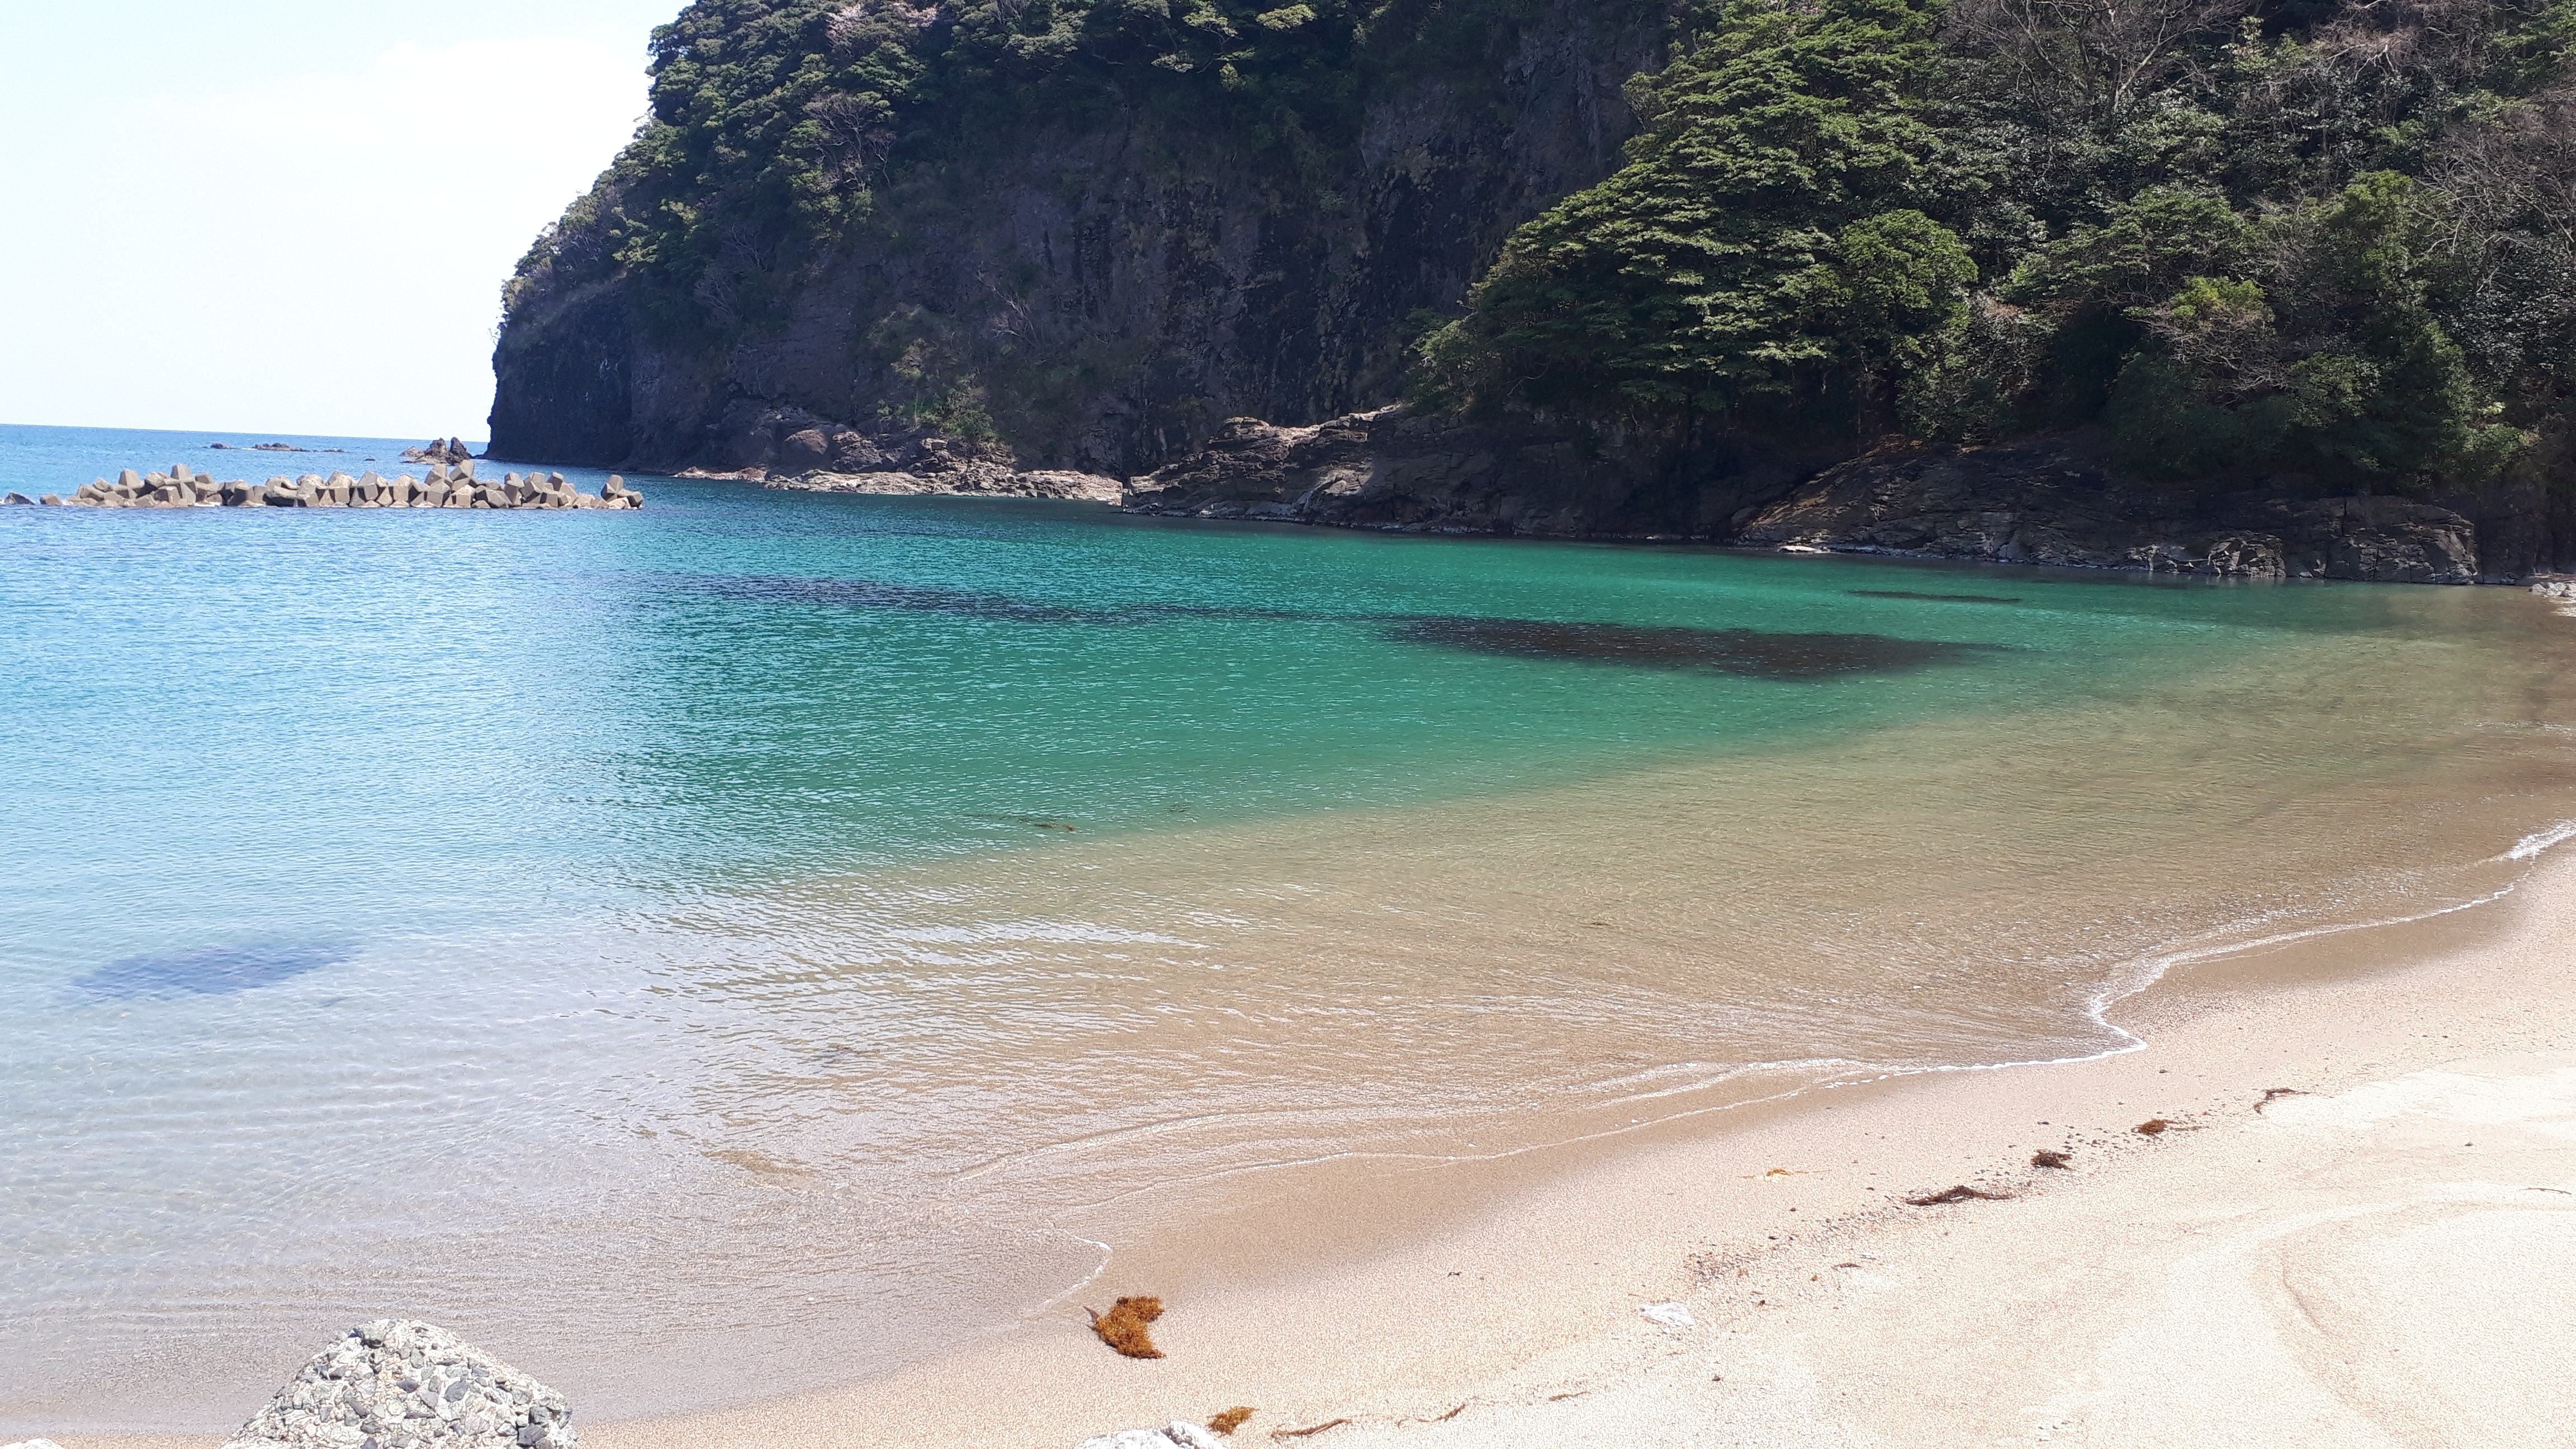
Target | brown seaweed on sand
(2050,1157)
(1309,1432)
(1961,1193)
(1231,1420)
(2152,1126)
(2275,1094)
(1123,1326)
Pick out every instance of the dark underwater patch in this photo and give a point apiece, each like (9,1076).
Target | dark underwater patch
(873,594)
(1752,652)
(209,970)
(1932,598)
(962,603)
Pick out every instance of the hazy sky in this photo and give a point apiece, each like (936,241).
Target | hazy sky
(288,215)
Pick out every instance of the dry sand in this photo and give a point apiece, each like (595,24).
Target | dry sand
(2386,1258)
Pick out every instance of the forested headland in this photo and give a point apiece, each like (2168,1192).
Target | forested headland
(2296,246)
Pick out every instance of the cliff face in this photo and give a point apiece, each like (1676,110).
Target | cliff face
(1097,294)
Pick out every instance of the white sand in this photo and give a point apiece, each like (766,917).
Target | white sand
(2387,1259)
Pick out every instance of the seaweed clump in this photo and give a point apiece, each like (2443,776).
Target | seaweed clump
(1123,1326)
(1231,1420)
(1961,1193)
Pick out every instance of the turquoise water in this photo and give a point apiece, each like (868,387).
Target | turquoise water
(490,915)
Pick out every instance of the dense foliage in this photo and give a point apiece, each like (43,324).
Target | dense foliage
(778,124)
(2336,240)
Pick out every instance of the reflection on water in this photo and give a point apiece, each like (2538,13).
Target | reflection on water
(754,938)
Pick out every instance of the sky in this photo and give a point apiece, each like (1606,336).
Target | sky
(288,215)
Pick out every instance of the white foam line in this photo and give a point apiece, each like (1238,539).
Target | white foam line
(2149,972)
(1088,1279)
(2530,846)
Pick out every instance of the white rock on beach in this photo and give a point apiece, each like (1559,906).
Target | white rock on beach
(1174,1435)
(404,1384)
(1670,1315)
(32,1444)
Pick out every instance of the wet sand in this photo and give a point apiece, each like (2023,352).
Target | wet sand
(2375,1260)
(2378,1255)
(2371,1261)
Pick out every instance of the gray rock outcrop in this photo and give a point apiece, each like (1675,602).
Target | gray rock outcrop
(786,448)
(451,452)
(446,487)
(1175,1435)
(984,480)
(404,1384)
(2052,499)
(1539,476)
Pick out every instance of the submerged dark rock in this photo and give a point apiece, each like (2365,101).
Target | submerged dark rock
(1754,652)
(210,970)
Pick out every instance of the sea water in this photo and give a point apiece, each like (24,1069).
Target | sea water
(744,941)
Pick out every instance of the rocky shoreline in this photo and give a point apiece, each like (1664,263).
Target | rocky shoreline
(2054,499)
(446,487)
(795,453)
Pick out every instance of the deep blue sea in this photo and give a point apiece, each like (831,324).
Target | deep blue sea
(666,938)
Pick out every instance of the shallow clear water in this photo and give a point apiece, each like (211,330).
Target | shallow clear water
(658,941)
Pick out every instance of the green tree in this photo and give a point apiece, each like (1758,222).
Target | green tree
(2338,368)
(1764,241)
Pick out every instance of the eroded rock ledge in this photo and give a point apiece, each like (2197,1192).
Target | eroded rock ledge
(828,458)
(2053,499)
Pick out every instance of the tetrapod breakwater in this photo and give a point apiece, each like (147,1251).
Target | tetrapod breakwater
(446,487)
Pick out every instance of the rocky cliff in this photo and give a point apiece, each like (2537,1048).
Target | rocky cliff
(1094,290)
(1640,268)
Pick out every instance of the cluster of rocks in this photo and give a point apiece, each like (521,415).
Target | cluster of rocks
(445,487)
(979,480)
(450,452)
(791,449)
(404,1384)
(2554,586)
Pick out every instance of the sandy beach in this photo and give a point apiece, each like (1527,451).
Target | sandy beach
(2358,1229)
